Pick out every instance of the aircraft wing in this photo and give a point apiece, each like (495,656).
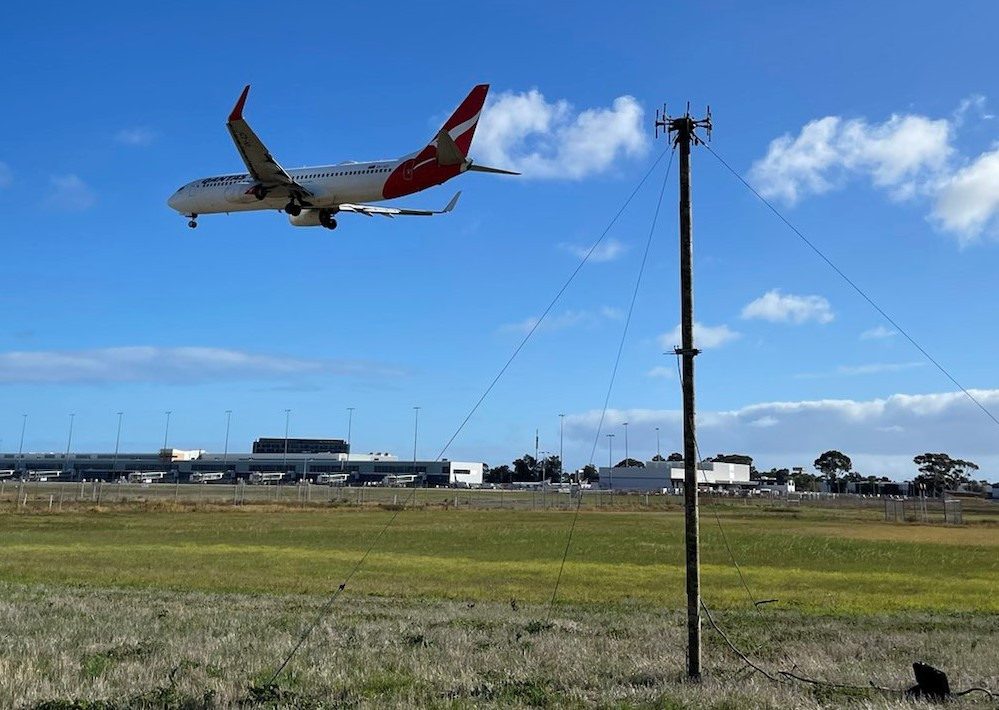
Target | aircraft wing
(371,210)
(259,162)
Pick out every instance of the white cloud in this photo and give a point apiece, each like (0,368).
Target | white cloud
(175,365)
(877,368)
(908,155)
(525,132)
(565,319)
(69,192)
(873,368)
(968,201)
(136,137)
(880,435)
(705,336)
(894,155)
(607,250)
(662,372)
(778,307)
(6,176)
(974,104)
(878,333)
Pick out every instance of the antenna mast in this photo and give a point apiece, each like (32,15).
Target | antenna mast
(682,131)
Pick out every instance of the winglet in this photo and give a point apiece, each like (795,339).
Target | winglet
(237,110)
(452,203)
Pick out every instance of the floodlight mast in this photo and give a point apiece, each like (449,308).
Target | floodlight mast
(682,132)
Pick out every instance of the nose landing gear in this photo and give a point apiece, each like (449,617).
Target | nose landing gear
(193,224)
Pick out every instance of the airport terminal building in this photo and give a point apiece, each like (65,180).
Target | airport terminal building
(184,466)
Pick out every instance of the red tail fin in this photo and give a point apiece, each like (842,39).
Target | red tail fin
(461,125)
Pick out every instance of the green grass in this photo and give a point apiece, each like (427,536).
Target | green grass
(812,561)
(193,606)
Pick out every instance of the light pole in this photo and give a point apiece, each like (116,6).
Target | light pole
(658,452)
(350,422)
(166,431)
(20,447)
(69,442)
(626,443)
(610,460)
(416,432)
(561,438)
(284,460)
(117,441)
(537,442)
(225,450)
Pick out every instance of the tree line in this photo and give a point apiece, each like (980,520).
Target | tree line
(938,472)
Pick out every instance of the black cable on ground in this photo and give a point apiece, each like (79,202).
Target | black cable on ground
(784,674)
(788,676)
(853,285)
(551,305)
(617,362)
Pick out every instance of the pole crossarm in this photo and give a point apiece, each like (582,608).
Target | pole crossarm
(675,127)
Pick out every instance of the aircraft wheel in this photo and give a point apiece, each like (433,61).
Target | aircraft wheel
(192,224)
(326,219)
(293,209)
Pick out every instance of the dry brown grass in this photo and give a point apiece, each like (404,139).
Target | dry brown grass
(161,649)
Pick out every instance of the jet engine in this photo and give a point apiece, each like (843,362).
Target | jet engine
(314,218)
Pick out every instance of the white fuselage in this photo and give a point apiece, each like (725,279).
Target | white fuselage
(330,185)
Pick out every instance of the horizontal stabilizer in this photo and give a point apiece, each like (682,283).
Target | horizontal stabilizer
(371,210)
(486,169)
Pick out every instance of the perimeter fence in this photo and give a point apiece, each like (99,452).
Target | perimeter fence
(57,495)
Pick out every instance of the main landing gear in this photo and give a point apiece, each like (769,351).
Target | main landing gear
(326,219)
(293,209)
(193,224)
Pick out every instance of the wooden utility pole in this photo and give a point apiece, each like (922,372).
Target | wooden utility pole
(682,131)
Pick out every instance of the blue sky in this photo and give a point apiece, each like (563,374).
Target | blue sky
(885,157)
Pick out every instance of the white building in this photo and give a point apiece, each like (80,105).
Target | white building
(668,476)
(182,465)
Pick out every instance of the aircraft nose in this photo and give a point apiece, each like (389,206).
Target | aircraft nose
(174,202)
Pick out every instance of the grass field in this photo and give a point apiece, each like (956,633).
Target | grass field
(450,607)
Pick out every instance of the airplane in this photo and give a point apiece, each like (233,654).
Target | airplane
(312,196)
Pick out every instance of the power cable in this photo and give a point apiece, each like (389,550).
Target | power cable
(357,565)
(339,590)
(731,554)
(853,285)
(617,363)
(631,306)
(785,676)
(551,305)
